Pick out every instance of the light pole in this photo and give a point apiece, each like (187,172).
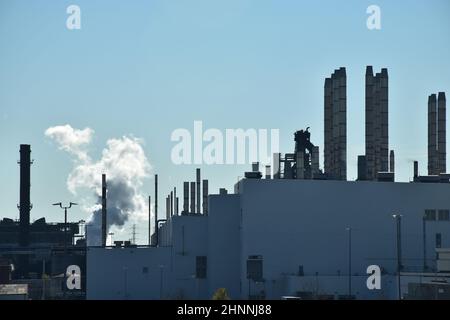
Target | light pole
(424,230)
(65,236)
(161,270)
(349,229)
(398,220)
(65,219)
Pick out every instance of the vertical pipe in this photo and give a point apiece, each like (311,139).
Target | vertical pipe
(199,209)
(192,197)
(156,208)
(399,254)
(205,196)
(349,262)
(185,197)
(167,208)
(25,204)
(104,212)
(424,233)
(175,205)
(149,220)
(416,169)
(171,203)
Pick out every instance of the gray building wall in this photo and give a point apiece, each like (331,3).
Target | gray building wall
(294,223)
(290,223)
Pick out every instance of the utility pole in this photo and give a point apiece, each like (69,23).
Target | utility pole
(349,262)
(65,236)
(398,220)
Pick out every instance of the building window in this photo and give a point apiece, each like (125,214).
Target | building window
(255,268)
(200,267)
(438,240)
(444,215)
(430,215)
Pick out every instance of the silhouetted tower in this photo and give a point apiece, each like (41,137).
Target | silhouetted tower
(377,123)
(24,206)
(335,119)
(104,211)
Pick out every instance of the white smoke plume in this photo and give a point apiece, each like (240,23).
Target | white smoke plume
(71,140)
(123,161)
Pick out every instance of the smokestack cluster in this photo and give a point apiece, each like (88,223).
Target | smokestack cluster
(437,154)
(377,124)
(335,113)
(195,195)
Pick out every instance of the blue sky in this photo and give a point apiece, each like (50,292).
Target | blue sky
(145,68)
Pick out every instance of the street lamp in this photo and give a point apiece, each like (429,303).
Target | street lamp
(398,220)
(65,218)
(161,269)
(349,229)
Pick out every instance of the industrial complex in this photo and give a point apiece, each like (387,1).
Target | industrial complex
(288,229)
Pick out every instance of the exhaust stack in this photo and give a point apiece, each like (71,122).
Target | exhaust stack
(104,212)
(25,204)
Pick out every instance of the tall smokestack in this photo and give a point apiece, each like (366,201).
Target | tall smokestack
(104,212)
(432,139)
(171,203)
(392,161)
(441,140)
(149,220)
(156,206)
(370,119)
(185,197)
(205,196)
(167,208)
(25,204)
(192,197)
(416,169)
(175,205)
(199,209)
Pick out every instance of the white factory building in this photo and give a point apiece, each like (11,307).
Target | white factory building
(291,238)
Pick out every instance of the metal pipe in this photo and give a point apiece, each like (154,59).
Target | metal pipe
(156,202)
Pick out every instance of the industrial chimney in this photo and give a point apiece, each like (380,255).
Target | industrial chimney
(104,212)
(25,204)
(205,196)
(156,208)
(199,209)
(192,197)
(149,220)
(185,197)
(441,134)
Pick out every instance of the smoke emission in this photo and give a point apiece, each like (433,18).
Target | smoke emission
(123,161)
